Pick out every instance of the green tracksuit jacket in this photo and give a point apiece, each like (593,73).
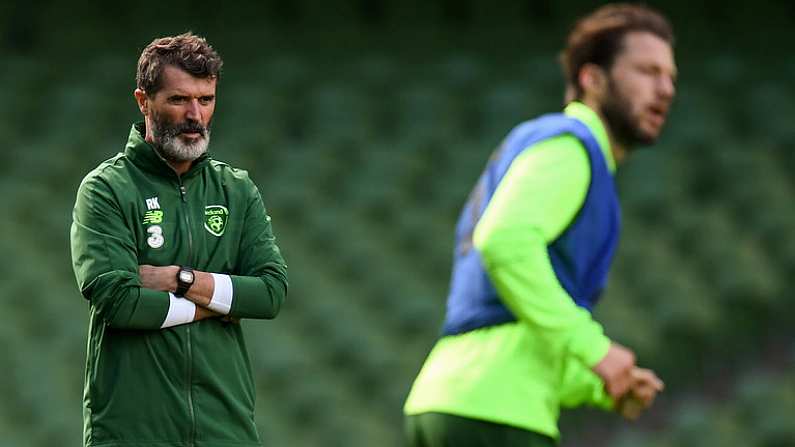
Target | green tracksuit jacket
(186,385)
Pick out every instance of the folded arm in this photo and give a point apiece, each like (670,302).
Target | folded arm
(126,295)
(104,258)
(256,293)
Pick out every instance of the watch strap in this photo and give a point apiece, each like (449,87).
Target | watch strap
(182,286)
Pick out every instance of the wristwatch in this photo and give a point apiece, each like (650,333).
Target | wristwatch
(185,278)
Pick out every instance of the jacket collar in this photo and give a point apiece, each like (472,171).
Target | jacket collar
(144,155)
(590,118)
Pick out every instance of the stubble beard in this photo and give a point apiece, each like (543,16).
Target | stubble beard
(167,139)
(624,127)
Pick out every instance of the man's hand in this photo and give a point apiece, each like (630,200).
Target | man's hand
(615,369)
(159,278)
(202,313)
(645,386)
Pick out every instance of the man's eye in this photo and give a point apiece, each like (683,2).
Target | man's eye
(648,70)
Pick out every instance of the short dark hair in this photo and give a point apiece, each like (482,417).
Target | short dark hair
(598,37)
(186,51)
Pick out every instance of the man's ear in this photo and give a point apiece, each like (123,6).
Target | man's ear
(142,100)
(593,80)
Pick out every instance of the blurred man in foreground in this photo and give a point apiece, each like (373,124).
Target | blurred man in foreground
(534,244)
(172,248)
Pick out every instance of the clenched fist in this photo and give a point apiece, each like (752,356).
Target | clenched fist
(615,369)
(644,388)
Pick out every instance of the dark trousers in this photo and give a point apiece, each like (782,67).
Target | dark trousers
(446,430)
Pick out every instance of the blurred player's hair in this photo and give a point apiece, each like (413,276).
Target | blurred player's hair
(598,37)
(187,51)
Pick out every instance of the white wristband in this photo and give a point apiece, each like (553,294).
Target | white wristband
(180,311)
(222,294)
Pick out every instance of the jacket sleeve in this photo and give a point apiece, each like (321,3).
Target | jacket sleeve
(260,288)
(534,203)
(579,385)
(105,262)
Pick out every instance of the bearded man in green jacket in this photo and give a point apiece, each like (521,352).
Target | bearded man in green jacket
(172,249)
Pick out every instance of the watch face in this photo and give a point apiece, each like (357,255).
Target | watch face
(186,277)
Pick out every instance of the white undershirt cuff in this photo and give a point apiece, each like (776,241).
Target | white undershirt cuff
(222,294)
(180,311)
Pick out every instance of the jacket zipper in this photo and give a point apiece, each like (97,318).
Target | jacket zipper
(183,195)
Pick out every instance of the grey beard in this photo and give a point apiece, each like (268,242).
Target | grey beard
(174,149)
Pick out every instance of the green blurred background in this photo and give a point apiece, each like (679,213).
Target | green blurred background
(365,124)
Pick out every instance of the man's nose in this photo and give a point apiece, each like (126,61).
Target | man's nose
(193,111)
(666,87)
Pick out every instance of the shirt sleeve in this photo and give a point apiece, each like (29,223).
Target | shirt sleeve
(537,199)
(105,261)
(260,288)
(579,385)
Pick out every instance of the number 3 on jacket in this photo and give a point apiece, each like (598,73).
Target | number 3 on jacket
(155,236)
